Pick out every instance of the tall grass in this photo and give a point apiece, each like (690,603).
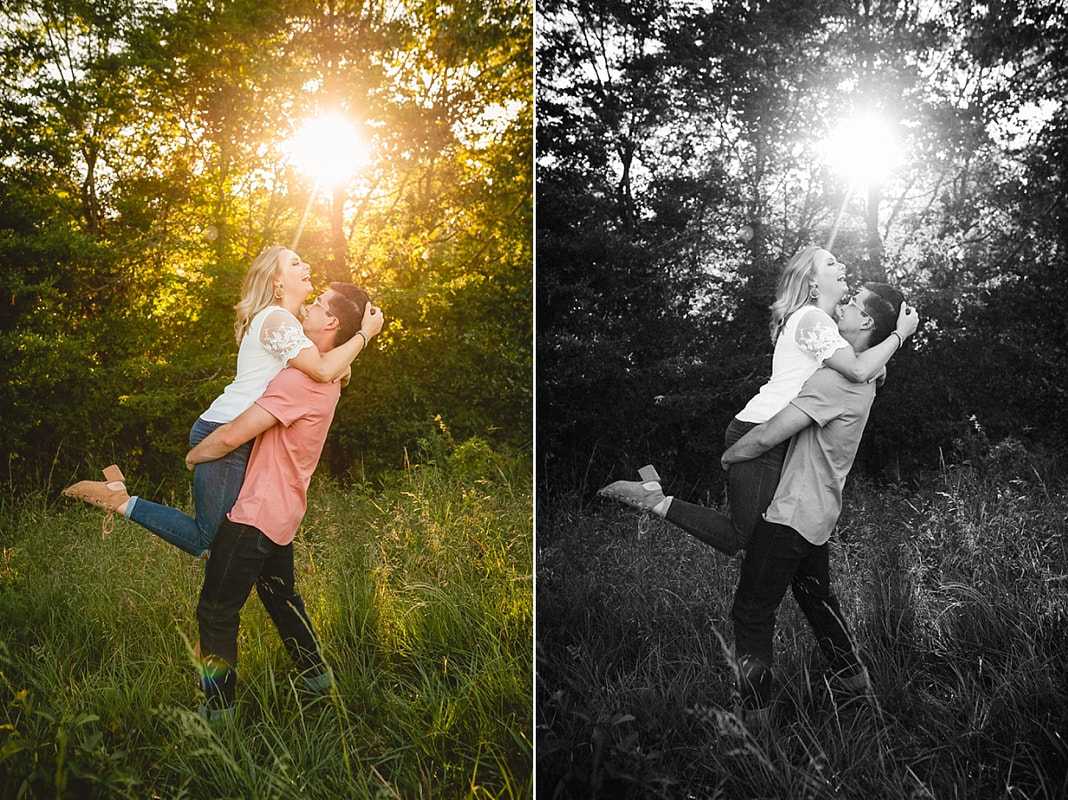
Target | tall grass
(421,592)
(957,590)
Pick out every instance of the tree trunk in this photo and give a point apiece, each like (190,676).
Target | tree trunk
(338,270)
(875,270)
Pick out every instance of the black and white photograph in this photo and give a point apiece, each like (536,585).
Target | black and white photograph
(801,349)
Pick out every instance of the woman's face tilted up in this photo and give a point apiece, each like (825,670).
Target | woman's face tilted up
(293,275)
(829,275)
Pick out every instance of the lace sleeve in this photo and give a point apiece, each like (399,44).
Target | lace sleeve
(817,334)
(282,336)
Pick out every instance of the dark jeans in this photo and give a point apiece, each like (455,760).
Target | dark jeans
(243,557)
(750,487)
(779,557)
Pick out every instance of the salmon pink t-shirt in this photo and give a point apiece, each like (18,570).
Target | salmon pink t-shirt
(274,496)
(809,496)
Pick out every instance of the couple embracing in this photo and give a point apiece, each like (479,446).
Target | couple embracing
(788,454)
(253,454)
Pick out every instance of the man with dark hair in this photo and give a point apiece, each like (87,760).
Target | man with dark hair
(788,547)
(349,322)
(253,546)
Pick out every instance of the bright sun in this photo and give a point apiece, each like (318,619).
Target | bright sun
(328,149)
(864,149)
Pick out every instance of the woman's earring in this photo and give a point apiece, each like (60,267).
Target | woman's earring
(279,292)
(814,292)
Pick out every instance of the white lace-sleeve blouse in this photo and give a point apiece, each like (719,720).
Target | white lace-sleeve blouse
(808,338)
(274,337)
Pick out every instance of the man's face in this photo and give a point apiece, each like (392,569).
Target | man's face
(317,315)
(852,315)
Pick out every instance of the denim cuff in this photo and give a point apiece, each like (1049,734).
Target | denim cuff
(318,683)
(216,716)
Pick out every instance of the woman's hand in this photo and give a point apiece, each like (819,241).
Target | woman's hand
(372,321)
(907,321)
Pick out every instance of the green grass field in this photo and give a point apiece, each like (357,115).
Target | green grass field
(957,590)
(421,592)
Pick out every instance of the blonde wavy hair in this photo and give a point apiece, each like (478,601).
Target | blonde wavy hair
(257,292)
(794,288)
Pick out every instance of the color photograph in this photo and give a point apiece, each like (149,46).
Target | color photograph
(266,308)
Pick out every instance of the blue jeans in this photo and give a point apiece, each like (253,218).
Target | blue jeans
(779,557)
(751,484)
(216,485)
(750,487)
(243,557)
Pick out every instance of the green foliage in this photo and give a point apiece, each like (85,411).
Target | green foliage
(421,592)
(953,589)
(57,752)
(680,164)
(143,166)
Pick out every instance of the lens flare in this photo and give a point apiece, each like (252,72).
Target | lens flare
(865,149)
(328,149)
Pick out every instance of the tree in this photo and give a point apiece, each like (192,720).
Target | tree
(144,165)
(729,109)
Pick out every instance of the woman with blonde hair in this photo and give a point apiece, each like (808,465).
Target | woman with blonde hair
(270,337)
(805,335)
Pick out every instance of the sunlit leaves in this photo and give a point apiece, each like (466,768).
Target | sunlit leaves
(142,157)
(664,132)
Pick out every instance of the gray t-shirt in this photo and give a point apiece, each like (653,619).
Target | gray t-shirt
(809,496)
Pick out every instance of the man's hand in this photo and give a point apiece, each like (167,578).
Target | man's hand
(250,424)
(766,435)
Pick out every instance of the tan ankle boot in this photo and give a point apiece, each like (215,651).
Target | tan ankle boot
(98,493)
(645,494)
